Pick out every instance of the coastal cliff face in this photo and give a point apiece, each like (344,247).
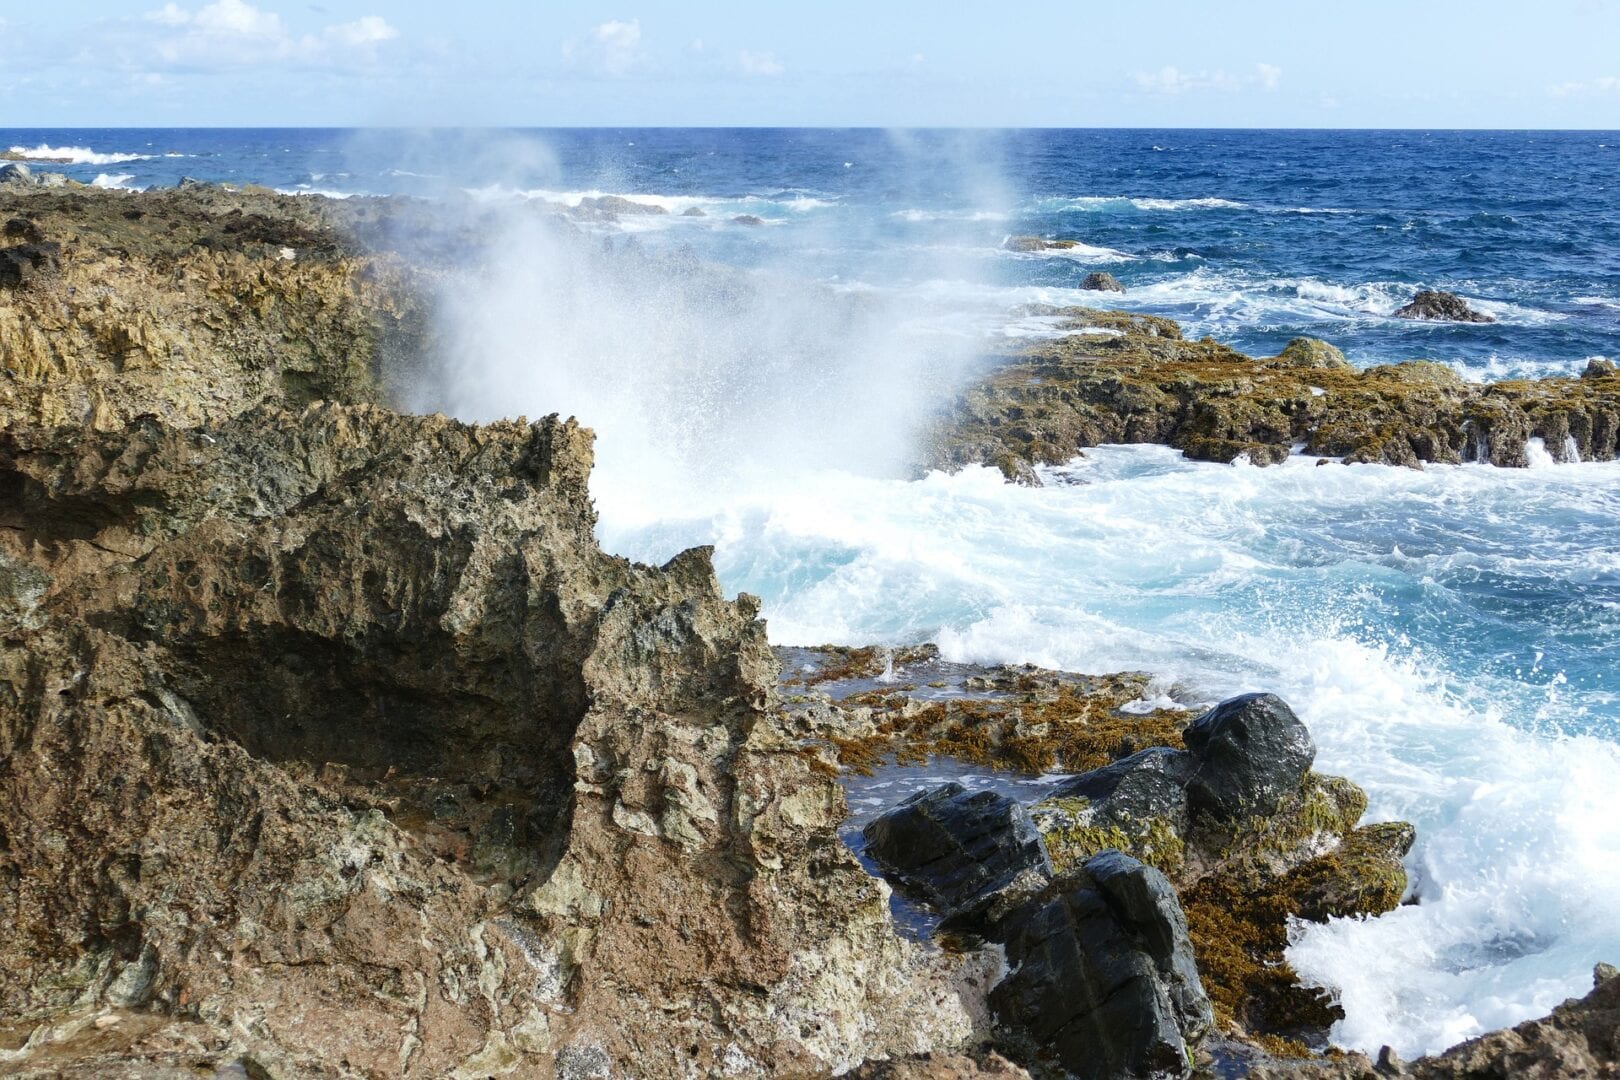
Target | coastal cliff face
(334,745)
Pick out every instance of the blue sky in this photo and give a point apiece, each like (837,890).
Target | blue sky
(1145,63)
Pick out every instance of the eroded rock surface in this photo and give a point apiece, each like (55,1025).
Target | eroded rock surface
(331,744)
(1122,378)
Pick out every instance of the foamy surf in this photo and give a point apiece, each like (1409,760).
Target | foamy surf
(1339,588)
(72,155)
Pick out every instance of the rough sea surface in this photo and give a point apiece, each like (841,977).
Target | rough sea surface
(1451,636)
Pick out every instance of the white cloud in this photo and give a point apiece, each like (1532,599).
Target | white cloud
(613,48)
(169,15)
(1603,84)
(1172,80)
(369,30)
(759,63)
(230,33)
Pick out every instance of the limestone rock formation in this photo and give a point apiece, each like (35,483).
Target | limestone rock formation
(1436,305)
(331,743)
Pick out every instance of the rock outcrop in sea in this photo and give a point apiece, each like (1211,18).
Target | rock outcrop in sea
(1123,378)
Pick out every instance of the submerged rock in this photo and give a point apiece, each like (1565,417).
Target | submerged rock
(1101,978)
(1100,281)
(1440,306)
(750,220)
(694,211)
(958,851)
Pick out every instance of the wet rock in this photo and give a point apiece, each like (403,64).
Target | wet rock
(1101,976)
(1440,306)
(694,211)
(1249,753)
(1100,281)
(959,851)
(1579,1039)
(750,220)
(1116,378)
(16,173)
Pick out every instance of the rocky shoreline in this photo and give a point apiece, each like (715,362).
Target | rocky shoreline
(332,744)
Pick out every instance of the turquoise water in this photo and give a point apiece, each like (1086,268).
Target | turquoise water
(1452,636)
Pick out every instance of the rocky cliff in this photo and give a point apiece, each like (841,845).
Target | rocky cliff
(331,744)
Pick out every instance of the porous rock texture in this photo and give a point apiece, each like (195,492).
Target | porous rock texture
(1123,378)
(331,744)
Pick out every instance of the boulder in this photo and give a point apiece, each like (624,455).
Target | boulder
(1312,354)
(750,220)
(959,851)
(1599,368)
(1101,975)
(16,173)
(1101,281)
(1437,305)
(693,211)
(1249,754)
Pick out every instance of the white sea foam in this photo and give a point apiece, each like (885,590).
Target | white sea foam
(1105,203)
(1227,579)
(114,180)
(73,155)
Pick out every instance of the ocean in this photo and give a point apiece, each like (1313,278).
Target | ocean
(1450,635)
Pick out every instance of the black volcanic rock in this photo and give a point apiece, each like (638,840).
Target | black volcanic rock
(1102,978)
(959,851)
(1249,753)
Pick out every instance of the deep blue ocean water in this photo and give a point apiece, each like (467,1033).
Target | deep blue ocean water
(1452,636)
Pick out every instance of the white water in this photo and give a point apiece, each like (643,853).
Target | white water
(1447,634)
(1228,579)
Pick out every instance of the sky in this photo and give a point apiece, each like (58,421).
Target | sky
(1145,63)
